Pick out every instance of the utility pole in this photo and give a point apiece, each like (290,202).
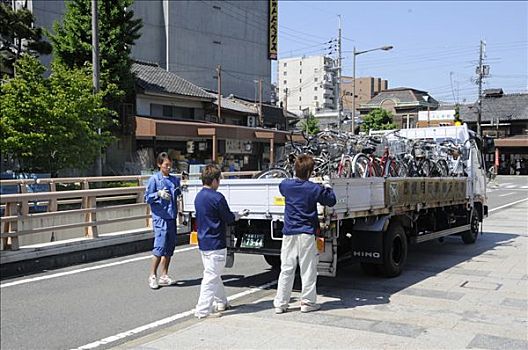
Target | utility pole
(219,76)
(95,67)
(338,87)
(261,118)
(286,99)
(480,72)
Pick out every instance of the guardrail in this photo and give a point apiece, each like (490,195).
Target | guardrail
(18,221)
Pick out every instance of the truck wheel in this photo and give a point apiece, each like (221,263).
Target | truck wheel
(471,235)
(394,251)
(370,268)
(274,261)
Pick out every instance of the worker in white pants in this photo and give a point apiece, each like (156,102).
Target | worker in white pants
(295,247)
(301,223)
(212,215)
(212,289)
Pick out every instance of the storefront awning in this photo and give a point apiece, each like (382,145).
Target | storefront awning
(147,128)
(514,141)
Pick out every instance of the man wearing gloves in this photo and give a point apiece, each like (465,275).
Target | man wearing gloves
(212,214)
(298,240)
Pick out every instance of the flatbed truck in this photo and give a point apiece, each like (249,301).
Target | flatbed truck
(374,220)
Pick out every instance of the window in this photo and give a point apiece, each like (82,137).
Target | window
(315,88)
(315,97)
(300,63)
(285,82)
(300,71)
(300,89)
(285,73)
(285,64)
(173,112)
(300,81)
(299,98)
(317,104)
(315,79)
(316,70)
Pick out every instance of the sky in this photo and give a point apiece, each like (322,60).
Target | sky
(436,44)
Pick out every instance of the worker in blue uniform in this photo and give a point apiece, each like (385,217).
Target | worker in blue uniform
(162,194)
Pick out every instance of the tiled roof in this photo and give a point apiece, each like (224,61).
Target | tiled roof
(507,107)
(400,95)
(150,77)
(237,105)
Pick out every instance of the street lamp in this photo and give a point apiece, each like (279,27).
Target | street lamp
(356,53)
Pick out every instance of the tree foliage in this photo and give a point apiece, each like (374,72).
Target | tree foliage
(118,30)
(378,119)
(18,36)
(310,125)
(52,123)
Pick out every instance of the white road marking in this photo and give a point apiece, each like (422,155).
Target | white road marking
(166,320)
(505,184)
(231,279)
(524,186)
(507,205)
(506,194)
(73,272)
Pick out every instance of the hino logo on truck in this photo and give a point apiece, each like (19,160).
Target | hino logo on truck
(367,254)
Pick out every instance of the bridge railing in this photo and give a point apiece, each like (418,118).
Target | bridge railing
(17,220)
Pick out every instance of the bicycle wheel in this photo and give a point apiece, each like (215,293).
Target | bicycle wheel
(425,168)
(442,167)
(375,168)
(273,173)
(360,165)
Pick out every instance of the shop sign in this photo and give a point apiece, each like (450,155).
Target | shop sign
(436,115)
(238,146)
(273,29)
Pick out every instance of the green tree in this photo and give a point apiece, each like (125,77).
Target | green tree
(51,124)
(118,31)
(378,119)
(18,36)
(310,125)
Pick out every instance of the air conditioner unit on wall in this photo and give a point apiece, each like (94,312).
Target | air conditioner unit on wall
(251,121)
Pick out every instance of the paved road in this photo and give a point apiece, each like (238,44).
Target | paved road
(70,307)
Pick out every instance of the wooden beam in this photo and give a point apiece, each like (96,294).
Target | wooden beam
(264,135)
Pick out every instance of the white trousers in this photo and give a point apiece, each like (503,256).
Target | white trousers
(295,247)
(212,287)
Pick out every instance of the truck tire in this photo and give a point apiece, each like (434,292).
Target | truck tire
(274,261)
(394,251)
(470,236)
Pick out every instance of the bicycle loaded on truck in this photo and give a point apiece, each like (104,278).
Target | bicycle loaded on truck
(393,189)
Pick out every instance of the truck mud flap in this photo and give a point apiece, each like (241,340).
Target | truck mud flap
(367,246)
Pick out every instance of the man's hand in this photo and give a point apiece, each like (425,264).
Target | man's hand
(326,182)
(164,194)
(241,213)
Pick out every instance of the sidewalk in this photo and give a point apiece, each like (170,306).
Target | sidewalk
(451,296)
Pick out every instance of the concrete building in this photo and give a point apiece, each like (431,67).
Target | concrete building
(190,38)
(366,89)
(307,83)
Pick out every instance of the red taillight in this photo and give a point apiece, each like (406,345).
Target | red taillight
(194,225)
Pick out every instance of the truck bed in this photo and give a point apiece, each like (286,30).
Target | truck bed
(356,197)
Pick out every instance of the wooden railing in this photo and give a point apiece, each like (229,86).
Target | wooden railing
(17,206)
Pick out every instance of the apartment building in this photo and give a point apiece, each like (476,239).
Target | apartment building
(366,89)
(307,83)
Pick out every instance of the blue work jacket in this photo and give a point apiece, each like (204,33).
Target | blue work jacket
(161,208)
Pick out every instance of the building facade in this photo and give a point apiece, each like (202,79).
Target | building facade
(191,38)
(307,84)
(366,89)
(404,103)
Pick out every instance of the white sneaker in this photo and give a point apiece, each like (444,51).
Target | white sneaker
(222,307)
(166,281)
(153,282)
(280,310)
(310,307)
(211,315)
